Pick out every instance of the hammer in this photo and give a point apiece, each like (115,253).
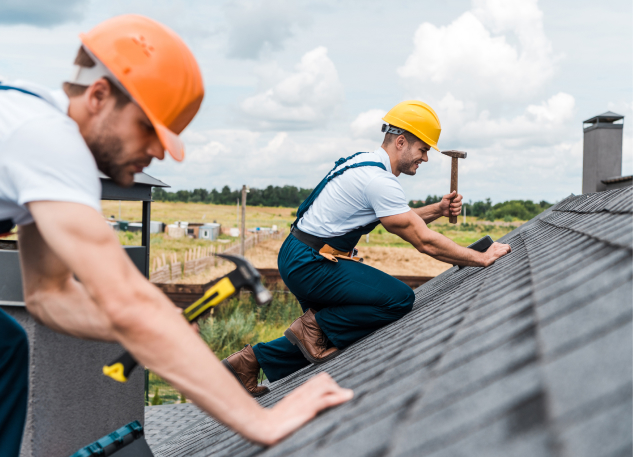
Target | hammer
(244,276)
(454,155)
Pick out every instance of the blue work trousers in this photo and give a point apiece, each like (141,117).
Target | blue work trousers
(351,299)
(14,377)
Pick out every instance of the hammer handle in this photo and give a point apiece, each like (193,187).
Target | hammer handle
(453,219)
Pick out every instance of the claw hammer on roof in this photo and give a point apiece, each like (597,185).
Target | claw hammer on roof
(454,156)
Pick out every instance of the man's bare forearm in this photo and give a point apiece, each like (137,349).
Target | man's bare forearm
(438,246)
(429,213)
(426,241)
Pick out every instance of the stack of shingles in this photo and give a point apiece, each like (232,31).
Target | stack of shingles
(531,356)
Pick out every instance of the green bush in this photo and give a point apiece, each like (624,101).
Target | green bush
(240,321)
(156,400)
(226,336)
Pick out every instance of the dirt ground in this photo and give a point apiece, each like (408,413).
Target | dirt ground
(392,260)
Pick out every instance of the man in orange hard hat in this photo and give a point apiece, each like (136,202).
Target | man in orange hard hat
(345,300)
(135,87)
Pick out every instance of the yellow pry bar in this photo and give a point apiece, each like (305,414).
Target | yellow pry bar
(216,294)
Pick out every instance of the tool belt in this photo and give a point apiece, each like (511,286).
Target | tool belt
(323,248)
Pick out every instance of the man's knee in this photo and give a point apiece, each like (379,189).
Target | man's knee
(403,300)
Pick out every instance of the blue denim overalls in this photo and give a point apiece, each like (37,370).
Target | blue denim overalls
(351,299)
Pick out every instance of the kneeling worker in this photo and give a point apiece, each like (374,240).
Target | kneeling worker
(343,299)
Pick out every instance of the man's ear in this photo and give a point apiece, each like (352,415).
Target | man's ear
(401,142)
(97,96)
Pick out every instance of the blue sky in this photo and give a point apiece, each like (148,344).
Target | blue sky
(291,86)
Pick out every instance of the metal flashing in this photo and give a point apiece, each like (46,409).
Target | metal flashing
(617,179)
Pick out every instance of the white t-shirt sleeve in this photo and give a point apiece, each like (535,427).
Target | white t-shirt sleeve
(49,161)
(386,196)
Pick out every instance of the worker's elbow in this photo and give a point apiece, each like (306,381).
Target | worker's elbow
(34,305)
(427,248)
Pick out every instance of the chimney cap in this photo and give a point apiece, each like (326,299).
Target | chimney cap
(605,118)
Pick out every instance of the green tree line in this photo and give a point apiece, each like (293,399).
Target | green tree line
(291,197)
(513,209)
(286,196)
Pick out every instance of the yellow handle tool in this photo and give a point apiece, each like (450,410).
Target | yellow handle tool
(120,369)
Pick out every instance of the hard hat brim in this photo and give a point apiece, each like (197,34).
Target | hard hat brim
(170,141)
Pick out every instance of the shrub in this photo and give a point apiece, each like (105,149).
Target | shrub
(156,400)
(240,321)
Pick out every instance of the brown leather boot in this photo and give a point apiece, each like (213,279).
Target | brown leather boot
(244,366)
(306,334)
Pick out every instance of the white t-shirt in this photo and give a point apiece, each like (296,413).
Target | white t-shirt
(42,154)
(358,197)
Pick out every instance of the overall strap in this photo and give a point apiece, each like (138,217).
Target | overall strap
(307,203)
(7,225)
(24,91)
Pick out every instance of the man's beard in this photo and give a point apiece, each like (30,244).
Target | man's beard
(407,162)
(107,150)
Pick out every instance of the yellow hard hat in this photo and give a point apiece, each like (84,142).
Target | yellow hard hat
(417,118)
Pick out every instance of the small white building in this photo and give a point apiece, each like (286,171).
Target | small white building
(209,231)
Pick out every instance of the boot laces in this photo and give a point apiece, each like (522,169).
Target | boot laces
(322,341)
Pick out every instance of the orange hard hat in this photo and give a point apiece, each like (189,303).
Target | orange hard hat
(156,68)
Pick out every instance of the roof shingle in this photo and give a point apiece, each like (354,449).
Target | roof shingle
(531,356)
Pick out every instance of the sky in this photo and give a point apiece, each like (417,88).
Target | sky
(293,85)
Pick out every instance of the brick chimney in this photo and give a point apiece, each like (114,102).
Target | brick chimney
(602,151)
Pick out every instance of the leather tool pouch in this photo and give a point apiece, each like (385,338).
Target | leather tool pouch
(323,248)
(333,254)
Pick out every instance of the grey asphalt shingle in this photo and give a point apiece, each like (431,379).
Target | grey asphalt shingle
(531,356)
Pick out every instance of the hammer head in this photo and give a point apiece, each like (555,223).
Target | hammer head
(245,275)
(456,154)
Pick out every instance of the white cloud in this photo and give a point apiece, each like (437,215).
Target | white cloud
(546,123)
(219,157)
(475,57)
(368,125)
(256,25)
(304,99)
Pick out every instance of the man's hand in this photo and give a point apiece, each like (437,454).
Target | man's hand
(299,407)
(451,208)
(495,251)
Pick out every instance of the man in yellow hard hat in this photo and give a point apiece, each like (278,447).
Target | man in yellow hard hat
(343,299)
(134,88)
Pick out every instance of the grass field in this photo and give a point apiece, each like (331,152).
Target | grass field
(381,249)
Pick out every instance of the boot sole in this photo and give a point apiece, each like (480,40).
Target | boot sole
(230,368)
(295,342)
